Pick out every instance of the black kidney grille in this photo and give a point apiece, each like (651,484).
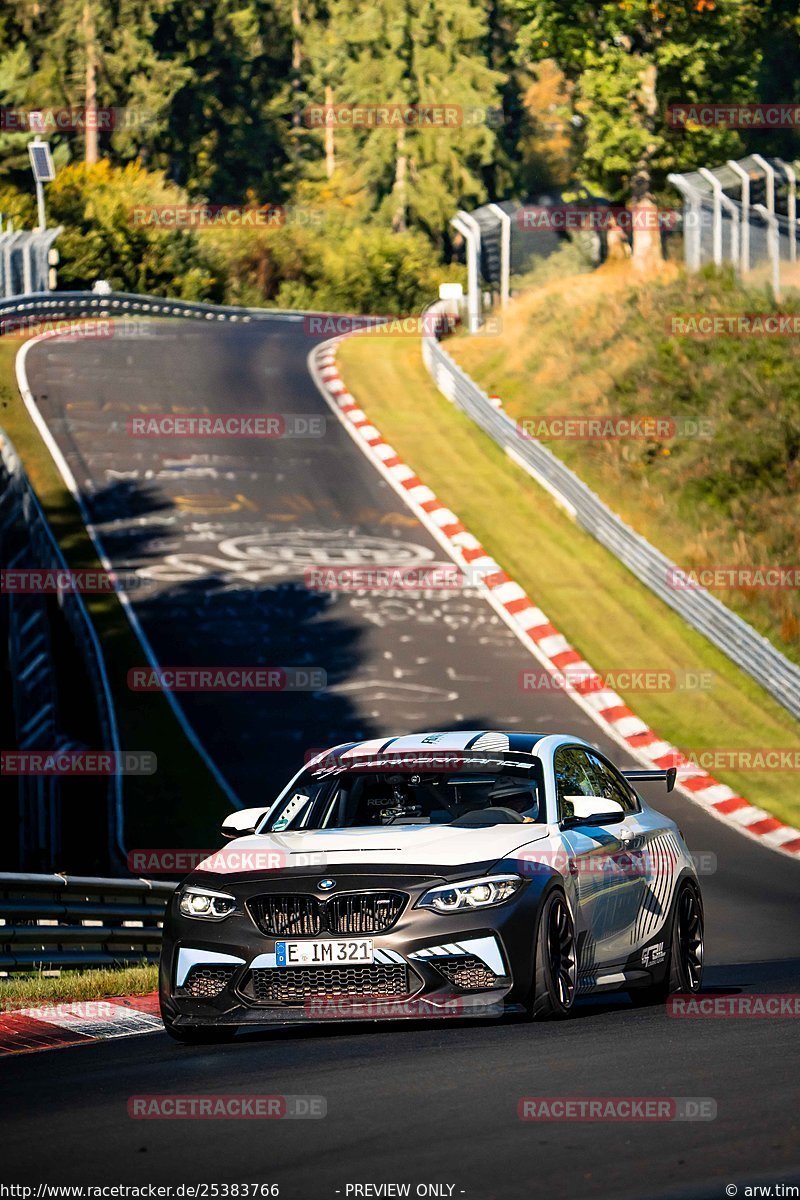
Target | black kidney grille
(293,985)
(287,916)
(298,915)
(365,912)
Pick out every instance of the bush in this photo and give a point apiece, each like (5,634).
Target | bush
(102,238)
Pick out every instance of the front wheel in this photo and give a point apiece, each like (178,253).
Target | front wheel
(555,973)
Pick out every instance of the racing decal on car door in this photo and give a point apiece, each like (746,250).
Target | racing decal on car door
(662,853)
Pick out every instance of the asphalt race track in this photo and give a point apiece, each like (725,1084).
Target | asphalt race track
(219,535)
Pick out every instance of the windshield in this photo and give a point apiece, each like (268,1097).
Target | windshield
(351,799)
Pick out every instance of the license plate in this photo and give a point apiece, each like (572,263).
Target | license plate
(323,953)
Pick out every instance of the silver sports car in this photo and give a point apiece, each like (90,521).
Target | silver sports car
(435,875)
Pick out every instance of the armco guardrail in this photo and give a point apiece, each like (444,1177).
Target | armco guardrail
(61,921)
(61,306)
(36,709)
(728,632)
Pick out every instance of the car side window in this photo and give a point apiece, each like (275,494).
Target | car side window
(574,777)
(610,786)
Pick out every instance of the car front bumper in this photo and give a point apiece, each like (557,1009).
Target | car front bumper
(427,965)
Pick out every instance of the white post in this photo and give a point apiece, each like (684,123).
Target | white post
(692,210)
(468,227)
(791,206)
(722,201)
(716,232)
(505,252)
(27,265)
(745,239)
(774,243)
(769,171)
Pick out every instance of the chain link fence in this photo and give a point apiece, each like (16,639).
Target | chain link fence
(743,212)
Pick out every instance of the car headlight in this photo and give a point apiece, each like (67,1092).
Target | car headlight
(472,893)
(208,906)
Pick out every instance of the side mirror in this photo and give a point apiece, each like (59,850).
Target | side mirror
(243,821)
(593,810)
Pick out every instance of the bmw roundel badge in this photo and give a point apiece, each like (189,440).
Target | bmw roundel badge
(325,885)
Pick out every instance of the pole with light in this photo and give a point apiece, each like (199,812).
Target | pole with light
(43,172)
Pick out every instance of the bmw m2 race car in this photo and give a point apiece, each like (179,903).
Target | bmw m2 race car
(436,875)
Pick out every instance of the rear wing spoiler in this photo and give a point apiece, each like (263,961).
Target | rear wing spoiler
(668,776)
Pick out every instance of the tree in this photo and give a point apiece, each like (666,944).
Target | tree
(408,53)
(628,60)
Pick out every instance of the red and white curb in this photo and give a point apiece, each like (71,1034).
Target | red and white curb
(533,628)
(52,1026)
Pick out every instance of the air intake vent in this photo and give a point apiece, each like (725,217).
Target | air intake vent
(465,971)
(204,983)
(294,985)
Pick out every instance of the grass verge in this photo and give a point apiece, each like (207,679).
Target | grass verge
(181,803)
(723,490)
(31,990)
(600,607)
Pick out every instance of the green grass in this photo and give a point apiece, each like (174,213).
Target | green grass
(599,606)
(180,804)
(602,345)
(31,990)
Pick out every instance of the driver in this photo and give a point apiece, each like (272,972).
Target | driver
(520,797)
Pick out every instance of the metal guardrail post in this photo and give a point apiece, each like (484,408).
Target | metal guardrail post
(774,243)
(692,210)
(791,206)
(468,227)
(505,252)
(769,172)
(739,170)
(716,229)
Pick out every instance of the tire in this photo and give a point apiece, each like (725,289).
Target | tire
(199,1035)
(684,972)
(555,967)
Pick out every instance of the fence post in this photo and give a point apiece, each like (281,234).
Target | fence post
(769,172)
(468,227)
(774,243)
(716,231)
(745,240)
(791,206)
(505,252)
(691,227)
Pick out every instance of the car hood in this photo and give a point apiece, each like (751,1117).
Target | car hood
(442,845)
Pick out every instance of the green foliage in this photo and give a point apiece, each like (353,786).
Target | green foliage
(103,239)
(410,52)
(629,60)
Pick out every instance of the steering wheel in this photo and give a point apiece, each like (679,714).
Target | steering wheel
(490,816)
